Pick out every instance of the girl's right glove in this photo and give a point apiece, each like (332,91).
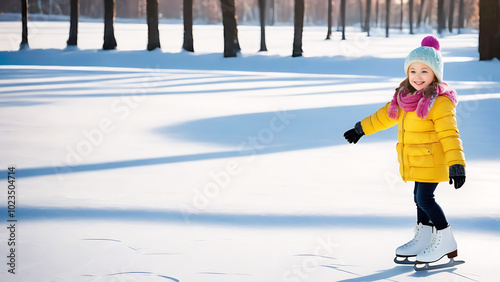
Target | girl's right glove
(353,135)
(457,175)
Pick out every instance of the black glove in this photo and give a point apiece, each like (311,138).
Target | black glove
(459,181)
(352,135)
(457,175)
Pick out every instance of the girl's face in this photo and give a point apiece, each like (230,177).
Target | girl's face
(420,75)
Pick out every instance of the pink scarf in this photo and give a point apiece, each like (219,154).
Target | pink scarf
(417,102)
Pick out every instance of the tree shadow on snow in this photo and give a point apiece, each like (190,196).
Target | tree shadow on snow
(280,130)
(95,82)
(190,215)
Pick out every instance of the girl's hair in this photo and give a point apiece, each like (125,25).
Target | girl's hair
(427,91)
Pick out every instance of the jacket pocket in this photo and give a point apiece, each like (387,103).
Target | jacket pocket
(420,156)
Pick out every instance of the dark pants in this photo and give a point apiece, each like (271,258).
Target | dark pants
(428,211)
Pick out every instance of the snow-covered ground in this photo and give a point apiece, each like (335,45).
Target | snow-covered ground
(176,166)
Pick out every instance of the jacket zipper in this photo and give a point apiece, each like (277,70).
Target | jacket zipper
(403,146)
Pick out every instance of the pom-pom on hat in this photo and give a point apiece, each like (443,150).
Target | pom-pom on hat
(428,54)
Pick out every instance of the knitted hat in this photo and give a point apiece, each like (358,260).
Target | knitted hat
(427,54)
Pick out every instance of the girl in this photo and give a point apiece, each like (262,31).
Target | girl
(429,147)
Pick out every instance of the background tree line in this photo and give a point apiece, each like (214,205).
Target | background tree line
(247,11)
(489,21)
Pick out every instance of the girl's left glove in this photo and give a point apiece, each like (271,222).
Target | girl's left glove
(353,135)
(457,175)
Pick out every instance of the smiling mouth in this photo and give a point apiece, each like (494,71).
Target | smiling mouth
(418,82)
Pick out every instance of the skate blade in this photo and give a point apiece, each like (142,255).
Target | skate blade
(404,261)
(427,266)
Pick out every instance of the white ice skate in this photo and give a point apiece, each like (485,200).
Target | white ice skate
(422,238)
(442,244)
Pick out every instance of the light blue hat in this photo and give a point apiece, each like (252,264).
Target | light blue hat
(427,54)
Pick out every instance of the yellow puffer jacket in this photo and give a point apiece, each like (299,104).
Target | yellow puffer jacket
(426,147)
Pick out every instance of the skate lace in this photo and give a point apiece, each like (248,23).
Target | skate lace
(436,240)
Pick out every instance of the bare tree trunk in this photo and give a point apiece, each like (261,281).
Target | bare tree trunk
(73,28)
(361,23)
(298,28)
(367,18)
(420,9)
(339,16)
(428,13)
(272,12)
(329,32)
(230,29)
(410,11)
(376,14)
(460,16)
(187,10)
(441,17)
(109,19)
(451,15)
(262,12)
(342,15)
(24,15)
(57,6)
(153,33)
(387,16)
(401,17)
(489,29)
